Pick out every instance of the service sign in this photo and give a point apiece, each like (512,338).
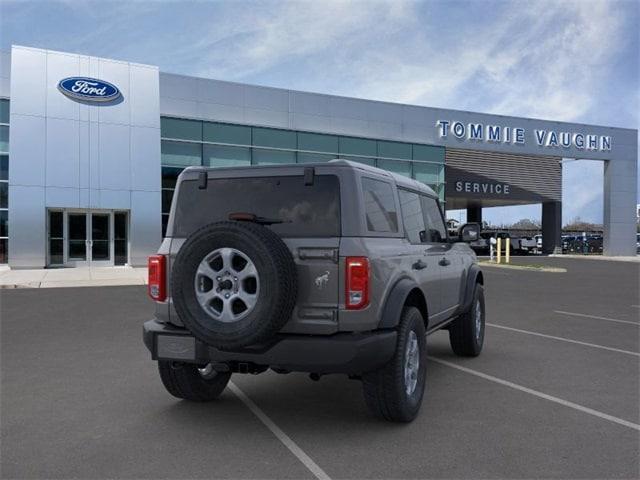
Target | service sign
(88,89)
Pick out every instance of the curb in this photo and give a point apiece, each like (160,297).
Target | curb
(524,267)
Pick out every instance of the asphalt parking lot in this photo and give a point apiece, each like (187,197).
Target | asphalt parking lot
(555,394)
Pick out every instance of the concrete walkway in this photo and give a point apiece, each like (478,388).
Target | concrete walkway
(72,277)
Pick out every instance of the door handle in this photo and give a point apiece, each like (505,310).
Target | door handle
(419,265)
(444,262)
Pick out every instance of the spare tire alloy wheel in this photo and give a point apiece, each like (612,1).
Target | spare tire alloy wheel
(234,284)
(227,284)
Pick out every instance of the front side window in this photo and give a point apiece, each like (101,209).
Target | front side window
(412,217)
(380,206)
(436,231)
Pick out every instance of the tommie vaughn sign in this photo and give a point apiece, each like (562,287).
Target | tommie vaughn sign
(88,89)
(478,132)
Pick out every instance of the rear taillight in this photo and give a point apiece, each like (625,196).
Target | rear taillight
(157,278)
(357,283)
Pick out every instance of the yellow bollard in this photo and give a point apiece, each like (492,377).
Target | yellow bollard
(507,249)
(499,245)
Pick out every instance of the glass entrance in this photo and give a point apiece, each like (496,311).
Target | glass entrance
(100,238)
(87,238)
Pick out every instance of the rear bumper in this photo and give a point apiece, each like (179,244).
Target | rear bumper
(350,353)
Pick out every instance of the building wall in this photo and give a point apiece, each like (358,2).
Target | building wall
(70,154)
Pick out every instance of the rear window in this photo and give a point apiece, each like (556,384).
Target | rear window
(305,211)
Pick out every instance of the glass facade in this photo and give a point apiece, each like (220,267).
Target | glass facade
(194,142)
(4,180)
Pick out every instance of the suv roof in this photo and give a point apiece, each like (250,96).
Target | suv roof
(400,180)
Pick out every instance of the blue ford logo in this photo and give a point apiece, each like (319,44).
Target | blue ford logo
(89,89)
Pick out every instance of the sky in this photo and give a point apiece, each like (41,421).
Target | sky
(557,60)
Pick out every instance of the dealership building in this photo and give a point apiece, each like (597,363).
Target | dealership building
(90,149)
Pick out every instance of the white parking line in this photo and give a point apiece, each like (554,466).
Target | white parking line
(573,314)
(602,347)
(280,435)
(530,391)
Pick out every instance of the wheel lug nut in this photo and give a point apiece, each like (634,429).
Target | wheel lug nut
(235,279)
(218,278)
(226,295)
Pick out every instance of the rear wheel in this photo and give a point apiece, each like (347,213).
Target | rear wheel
(466,333)
(191,382)
(395,391)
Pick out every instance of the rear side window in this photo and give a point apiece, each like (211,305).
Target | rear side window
(380,206)
(305,211)
(436,231)
(412,217)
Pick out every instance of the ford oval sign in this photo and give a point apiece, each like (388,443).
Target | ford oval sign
(88,89)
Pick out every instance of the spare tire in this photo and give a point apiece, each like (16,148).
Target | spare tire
(234,284)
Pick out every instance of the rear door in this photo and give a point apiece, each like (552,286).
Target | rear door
(449,262)
(423,264)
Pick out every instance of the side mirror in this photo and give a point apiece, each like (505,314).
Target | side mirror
(469,232)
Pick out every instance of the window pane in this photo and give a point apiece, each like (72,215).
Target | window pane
(55,225)
(4,139)
(120,226)
(366,161)
(428,173)
(167,195)
(165,220)
(412,216)
(380,207)
(4,194)
(178,128)
(314,157)
(56,252)
(4,111)
(270,157)
(317,143)
(436,231)
(4,167)
(4,250)
(221,156)
(120,252)
(358,146)
(170,176)
(428,153)
(305,210)
(402,168)
(271,137)
(77,227)
(4,223)
(394,150)
(178,153)
(224,133)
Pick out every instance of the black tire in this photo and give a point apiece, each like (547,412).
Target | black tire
(277,292)
(465,338)
(385,391)
(183,380)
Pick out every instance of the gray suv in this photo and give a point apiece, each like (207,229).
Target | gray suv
(322,268)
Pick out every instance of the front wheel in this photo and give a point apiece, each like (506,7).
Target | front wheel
(190,382)
(466,333)
(395,391)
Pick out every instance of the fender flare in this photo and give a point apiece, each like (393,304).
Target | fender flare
(473,276)
(395,301)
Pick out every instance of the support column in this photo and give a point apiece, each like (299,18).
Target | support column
(551,227)
(620,192)
(474,214)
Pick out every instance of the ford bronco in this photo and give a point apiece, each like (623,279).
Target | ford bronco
(333,267)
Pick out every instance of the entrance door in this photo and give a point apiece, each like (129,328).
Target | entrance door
(100,241)
(77,240)
(87,238)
